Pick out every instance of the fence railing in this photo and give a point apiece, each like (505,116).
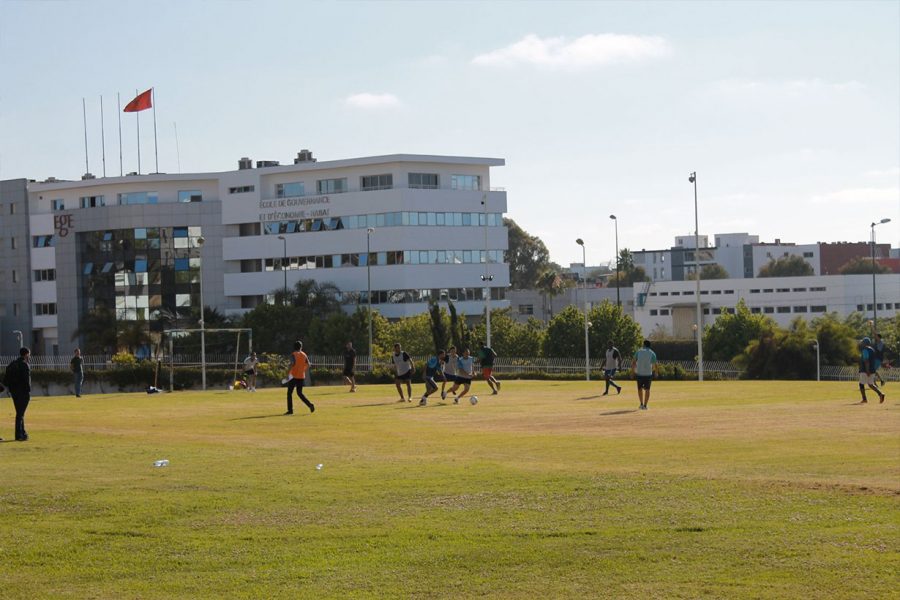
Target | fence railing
(562,366)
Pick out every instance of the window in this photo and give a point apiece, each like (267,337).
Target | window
(526,309)
(242,189)
(465,182)
(780,290)
(376,182)
(729,291)
(807,255)
(138,198)
(15,276)
(15,309)
(799,289)
(859,307)
(783,309)
(653,312)
(768,291)
(817,289)
(43,241)
(12,243)
(754,291)
(48,308)
(331,186)
(769,310)
(12,208)
(425,181)
(57,204)
(45,275)
(664,312)
(818,308)
(92,201)
(717,311)
(755,310)
(800,309)
(717,292)
(289,190)
(190,196)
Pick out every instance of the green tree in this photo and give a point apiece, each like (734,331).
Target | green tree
(413,333)
(786,266)
(861,265)
(460,334)
(781,354)
(551,285)
(609,323)
(729,335)
(628,278)
(527,257)
(440,326)
(509,337)
(837,340)
(713,271)
(565,334)
(133,335)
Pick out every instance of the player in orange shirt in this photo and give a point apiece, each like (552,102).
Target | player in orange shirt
(296,375)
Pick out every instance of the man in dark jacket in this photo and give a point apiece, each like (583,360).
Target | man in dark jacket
(18,380)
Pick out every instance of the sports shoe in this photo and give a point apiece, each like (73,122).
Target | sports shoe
(443,395)
(402,399)
(456,400)
(618,390)
(881,401)
(498,386)
(494,393)
(290,412)
(312,407)
(605,393)
(423,401)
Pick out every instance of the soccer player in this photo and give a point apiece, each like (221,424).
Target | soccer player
(644,368)
(296,375)
(465,372)
(350,366)
(250,364)
(486,357)
(433,368)
(613,363)
(404,369)
(18,381)
(450,362)
(867,370)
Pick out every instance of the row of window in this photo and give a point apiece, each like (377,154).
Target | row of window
(45,308)
(45,275)
(402,296)
(140,265)
(383,181)
(392,219)
(362,259)
(126,199)
(754,291)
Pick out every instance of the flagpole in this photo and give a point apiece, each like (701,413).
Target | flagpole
(87,168)
(119,103)
(102,136)
(155,147)
(137,117)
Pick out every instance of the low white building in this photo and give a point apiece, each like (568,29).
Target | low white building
(411,228)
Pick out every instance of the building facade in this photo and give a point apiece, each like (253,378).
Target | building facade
(144,248)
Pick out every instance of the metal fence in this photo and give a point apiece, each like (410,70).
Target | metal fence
(560,366)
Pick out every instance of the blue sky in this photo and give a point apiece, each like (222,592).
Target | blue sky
(789,112)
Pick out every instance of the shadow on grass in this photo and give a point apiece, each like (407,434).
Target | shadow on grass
(590,397)
(259,417)
(371,405)
(617,412)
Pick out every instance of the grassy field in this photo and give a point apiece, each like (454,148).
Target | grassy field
(720,490)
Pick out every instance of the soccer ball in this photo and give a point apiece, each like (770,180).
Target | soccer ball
(473,400)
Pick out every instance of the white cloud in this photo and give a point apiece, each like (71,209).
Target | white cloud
(367,100)
(860,195)
(792,88)
(585,52)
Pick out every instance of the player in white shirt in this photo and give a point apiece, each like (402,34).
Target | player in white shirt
(613,363)
(250,364)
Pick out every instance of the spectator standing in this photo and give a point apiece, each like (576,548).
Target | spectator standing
(77,366)
(18,380)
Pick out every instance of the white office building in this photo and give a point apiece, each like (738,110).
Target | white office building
(411,228)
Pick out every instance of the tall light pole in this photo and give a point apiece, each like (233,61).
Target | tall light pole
(369,232)
(618,283)
(487,279)
(284,265)
(587,352)
(693,179)
(200,242)
(874,303)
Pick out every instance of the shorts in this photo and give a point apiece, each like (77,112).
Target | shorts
(250,372)
(405,377)
(450,378)
(463,380)
(609,372)
(486,372)
(644,381)
(865,379)
(348,372)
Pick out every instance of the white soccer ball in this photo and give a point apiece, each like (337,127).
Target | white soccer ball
(473,400)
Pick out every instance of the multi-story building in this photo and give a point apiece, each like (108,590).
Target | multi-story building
(418,227)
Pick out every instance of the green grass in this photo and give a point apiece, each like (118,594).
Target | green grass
(720,490)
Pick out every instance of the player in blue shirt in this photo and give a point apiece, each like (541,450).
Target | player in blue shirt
(433,368)
(867,370)
(644,368)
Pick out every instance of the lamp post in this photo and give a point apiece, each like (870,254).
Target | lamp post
(369,232)
(486,279)
(200,242)
(618,283)
(874,302)
(693,179)
(284,266)
(587,353)
(818,361)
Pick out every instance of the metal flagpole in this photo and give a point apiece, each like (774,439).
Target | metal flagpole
(155,147)
(87,168)
(102,136)
(137,116)
(119,103)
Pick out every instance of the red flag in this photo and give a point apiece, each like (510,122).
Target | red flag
(140,102)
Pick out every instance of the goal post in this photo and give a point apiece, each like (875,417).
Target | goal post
(242,336)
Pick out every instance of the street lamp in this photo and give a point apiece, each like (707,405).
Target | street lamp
(618,282)
(369,232)
(486,278)
(284,267)
(818,361)
(587,354)
(874,304)
(200,242)
(693,179)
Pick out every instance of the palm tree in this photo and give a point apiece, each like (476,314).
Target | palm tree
(97,331)
(551,285)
